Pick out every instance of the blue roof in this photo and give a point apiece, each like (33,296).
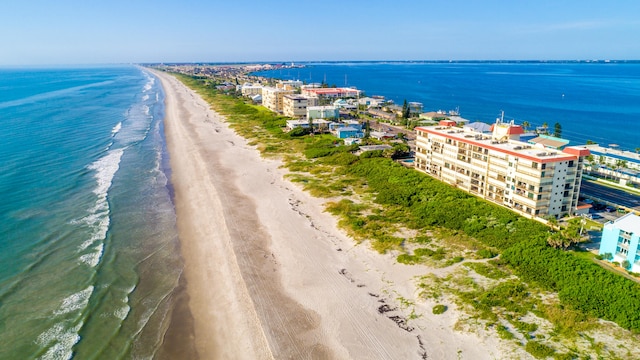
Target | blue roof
(347,128)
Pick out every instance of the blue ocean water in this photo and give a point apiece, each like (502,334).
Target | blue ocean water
(591,101)
(88,245)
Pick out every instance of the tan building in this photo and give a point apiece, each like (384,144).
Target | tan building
(272,98)
(295,106)
(530,179)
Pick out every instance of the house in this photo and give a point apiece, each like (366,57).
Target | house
(381,114)
(620,239)
(344,123)
(317,123)
(370,102)
(351,141)
(529,179)
(381,135)
(349,132)
(373,148)
(344,104)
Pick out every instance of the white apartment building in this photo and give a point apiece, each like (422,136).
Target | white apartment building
(251,90)
(272,98)
(530,179)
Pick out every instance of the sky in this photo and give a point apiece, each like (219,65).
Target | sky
(46,32)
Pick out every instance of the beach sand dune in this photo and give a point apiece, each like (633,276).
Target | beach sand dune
(269,275)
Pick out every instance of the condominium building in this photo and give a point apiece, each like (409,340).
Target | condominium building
(331,92)
(533,180)
(612,161)
(620,239)
(295,105)
(272,98)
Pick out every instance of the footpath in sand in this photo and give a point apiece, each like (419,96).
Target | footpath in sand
(269,275)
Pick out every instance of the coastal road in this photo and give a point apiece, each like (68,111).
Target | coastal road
(611,195)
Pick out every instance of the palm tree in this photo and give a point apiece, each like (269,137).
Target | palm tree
(545,128)
(525,125)
(620,164)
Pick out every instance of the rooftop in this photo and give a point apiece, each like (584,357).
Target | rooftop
(537,152)
(629,222)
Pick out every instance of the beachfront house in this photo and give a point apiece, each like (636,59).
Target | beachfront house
(620,239)
(303,123)
(371,102)
(415,108)
(349,132)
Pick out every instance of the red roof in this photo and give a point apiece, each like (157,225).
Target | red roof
(577,151)
(447,123)
(515,130)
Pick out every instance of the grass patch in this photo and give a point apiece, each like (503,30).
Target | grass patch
(439,309)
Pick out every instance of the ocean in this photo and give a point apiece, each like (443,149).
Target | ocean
(594,101)
(88,243)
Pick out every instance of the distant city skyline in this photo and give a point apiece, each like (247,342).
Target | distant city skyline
(40,32)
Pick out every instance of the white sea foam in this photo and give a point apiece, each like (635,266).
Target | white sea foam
(145,109)
(63,340)
(145,98)
(98,218)
(75,301)
(122,313)
(93,258)
(149,84)
(106,168)
(116,128)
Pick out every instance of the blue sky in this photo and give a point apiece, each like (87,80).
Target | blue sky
(39,32)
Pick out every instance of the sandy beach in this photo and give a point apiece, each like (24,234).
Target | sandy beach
(268,273)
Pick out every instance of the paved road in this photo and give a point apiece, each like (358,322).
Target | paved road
(615,196)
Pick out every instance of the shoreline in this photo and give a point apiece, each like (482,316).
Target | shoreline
(268,273)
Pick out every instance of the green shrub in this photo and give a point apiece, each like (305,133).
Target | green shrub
(408,259)
(371,154)
(486,254)
(539,350)
(298,131)
(504,333)
(439,309)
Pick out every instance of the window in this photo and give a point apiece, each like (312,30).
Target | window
(534,165)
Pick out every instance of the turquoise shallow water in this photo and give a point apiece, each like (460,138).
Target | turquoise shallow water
(591,101)
(88,245)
